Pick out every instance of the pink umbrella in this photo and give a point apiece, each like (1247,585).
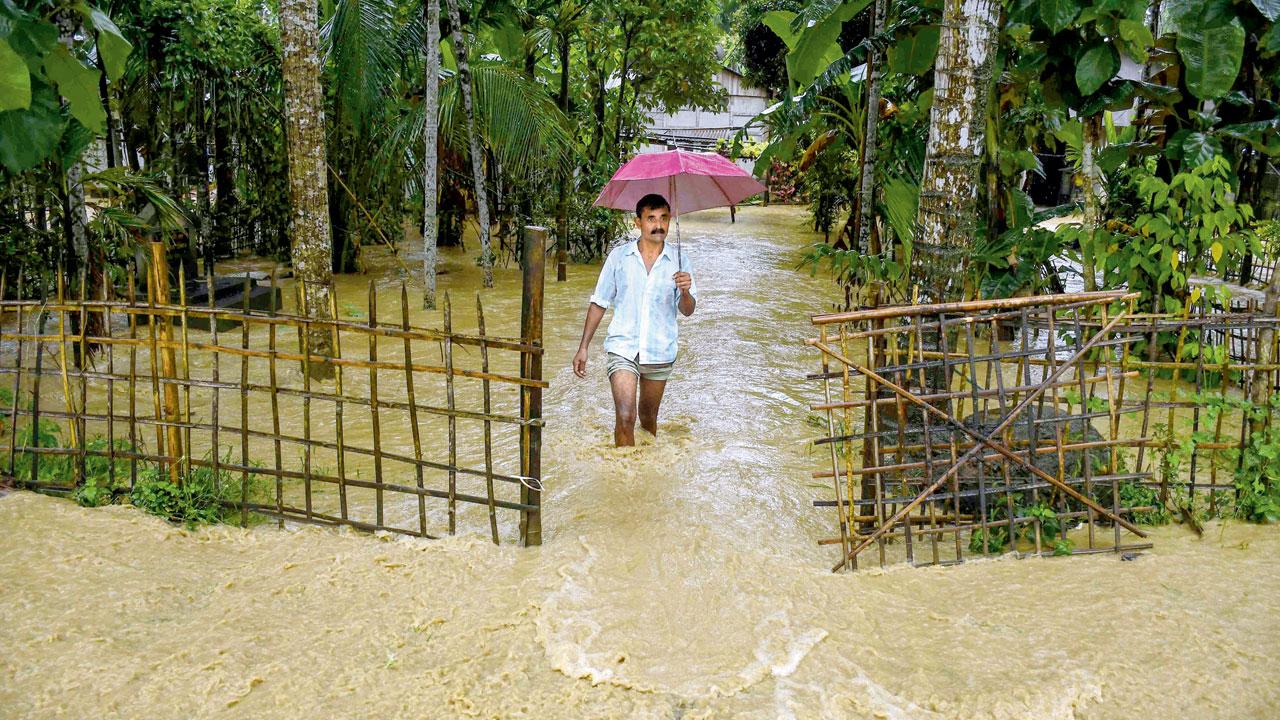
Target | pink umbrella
(690,181)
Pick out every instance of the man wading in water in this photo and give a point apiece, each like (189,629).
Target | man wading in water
(642,282)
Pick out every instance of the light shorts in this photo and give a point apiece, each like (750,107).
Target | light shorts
(648,372)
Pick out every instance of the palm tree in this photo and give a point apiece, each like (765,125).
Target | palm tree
(477,160)
(947,216)
(308,186)
(875,63)
(430,158)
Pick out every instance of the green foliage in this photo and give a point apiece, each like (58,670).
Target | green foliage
(36,69)
(1187,226)
(1257,478)
(1211,48)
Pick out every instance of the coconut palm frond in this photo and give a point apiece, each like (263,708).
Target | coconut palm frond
(359,47)
(517,121)
(520,123)
(123,181)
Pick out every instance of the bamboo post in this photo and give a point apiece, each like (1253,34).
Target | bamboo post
(304,332)
(453,420)
(111,383)
(275,405)
(17,384)
(373,400)
(133,381)
(82,366)
(413,409)
(535,239)
(67,400)
(337,406)
(168,363)
(841,513)
(488,426)
(214,440)
(244,404)
(186,365)
(37,374)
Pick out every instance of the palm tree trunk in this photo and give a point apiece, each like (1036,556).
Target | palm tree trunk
(308,184)
(562,208)
(947,218)
(477,159)
(867,190)
(1094,195)
(430,157)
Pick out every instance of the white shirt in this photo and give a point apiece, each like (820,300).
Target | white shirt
(645,303)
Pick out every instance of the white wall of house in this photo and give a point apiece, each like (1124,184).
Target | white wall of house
(744,103)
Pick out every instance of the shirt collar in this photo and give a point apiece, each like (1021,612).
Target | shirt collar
(633,248)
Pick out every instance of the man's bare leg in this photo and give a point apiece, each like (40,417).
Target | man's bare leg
(624,407)
(650,398)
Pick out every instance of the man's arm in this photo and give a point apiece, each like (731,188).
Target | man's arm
(594,315)
(684,281)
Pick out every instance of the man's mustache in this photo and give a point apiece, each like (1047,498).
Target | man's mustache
(657,231)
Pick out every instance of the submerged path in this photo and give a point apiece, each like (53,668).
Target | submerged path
(679,579)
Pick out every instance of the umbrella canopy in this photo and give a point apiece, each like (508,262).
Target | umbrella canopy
(690,181)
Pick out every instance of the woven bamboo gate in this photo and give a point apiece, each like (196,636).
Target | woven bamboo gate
(411,430)
(1026,424)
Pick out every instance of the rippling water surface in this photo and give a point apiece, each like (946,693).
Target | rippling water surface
(679,579)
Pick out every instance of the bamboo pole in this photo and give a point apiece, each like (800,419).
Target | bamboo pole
(82,356)
(186,360)
(373,398)
(214,439)
(535,239)
(304,332)
(168,363)
(17,386)
(244,408)
(275,402)
(111,388)
(488,427)
(413,409)
(970,306)
(133,383)
(337,406)
(453,425)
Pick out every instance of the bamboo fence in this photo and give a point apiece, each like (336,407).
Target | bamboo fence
(379,436)
(1030,424)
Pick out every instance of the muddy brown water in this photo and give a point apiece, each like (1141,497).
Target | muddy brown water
(679,579)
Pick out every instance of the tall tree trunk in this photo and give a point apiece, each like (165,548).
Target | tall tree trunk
(867,190)
(622,85)
(308,184)
(430,154)
(562,207)
(597,105)
(202,182)
(223,175)
(105,93)
(75,218)
(947,218)
(1095,195)
(477,158)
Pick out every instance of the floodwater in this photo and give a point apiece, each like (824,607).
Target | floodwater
(678,579)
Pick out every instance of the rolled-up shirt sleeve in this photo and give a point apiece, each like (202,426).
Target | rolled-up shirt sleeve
(607,285)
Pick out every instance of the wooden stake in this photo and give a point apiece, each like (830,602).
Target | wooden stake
(535,239)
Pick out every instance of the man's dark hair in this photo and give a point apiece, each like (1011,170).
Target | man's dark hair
(652,201)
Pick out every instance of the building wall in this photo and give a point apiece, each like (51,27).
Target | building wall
(744,103)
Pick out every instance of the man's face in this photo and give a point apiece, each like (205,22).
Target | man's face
(653,223)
